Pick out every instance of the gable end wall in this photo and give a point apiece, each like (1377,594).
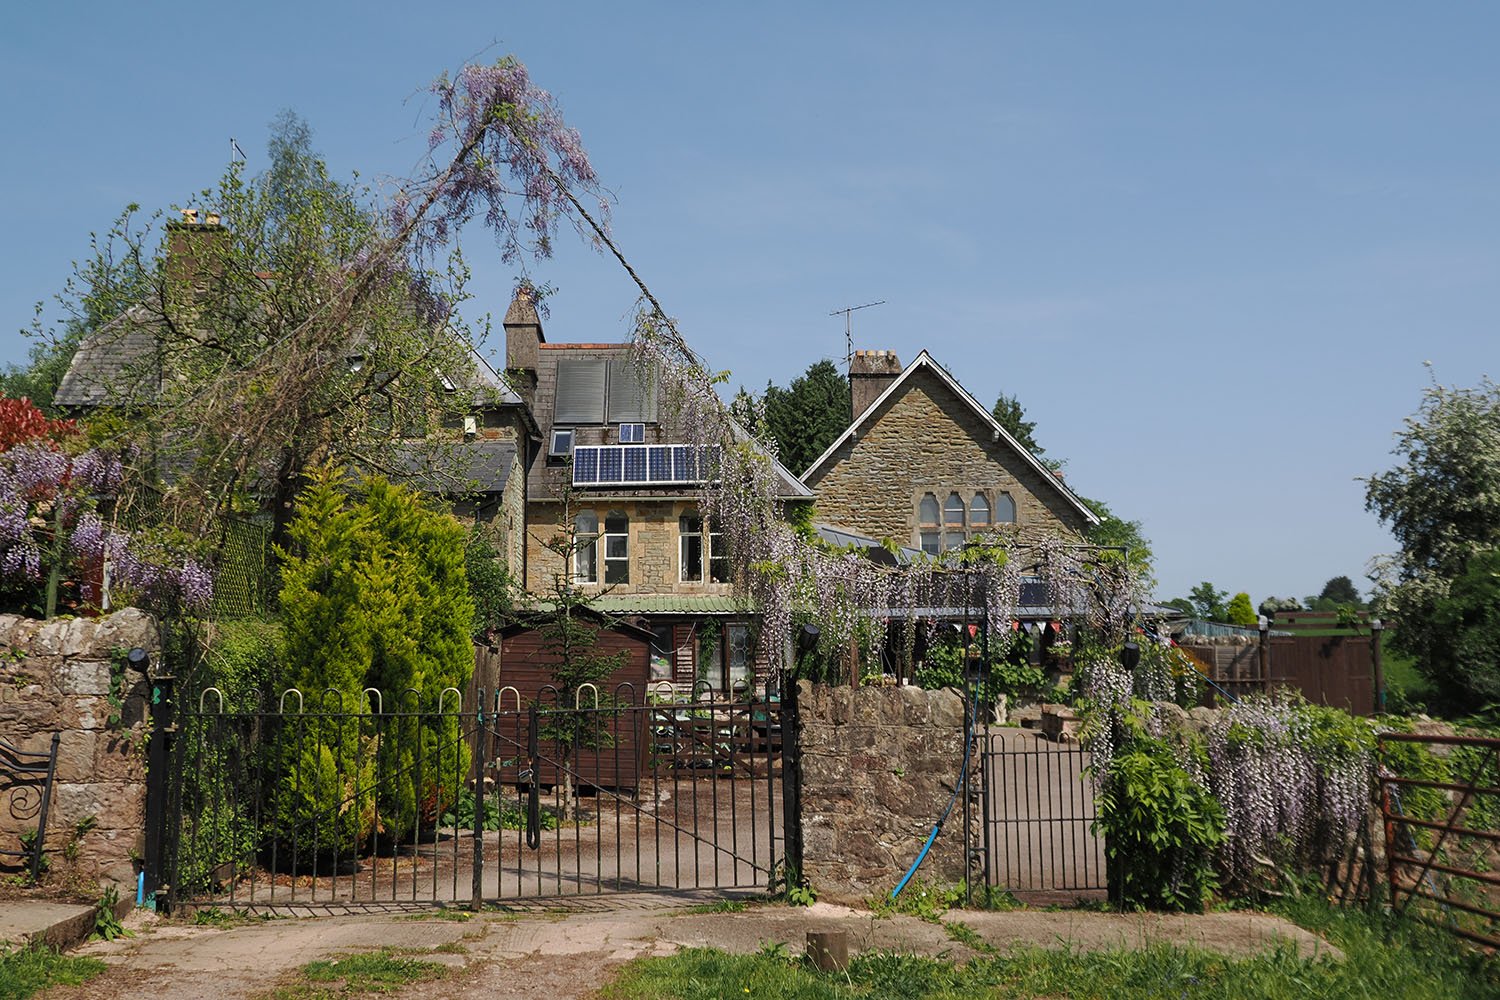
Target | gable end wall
(926,439)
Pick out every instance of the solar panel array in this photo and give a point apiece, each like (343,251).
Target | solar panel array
(643,464)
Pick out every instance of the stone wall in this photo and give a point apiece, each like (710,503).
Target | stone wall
(58,676)
(653,546)
(878,764)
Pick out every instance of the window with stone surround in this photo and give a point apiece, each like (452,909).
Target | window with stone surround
(979,512)
(691,543)
(948,525)
(928,527)
(1005,509)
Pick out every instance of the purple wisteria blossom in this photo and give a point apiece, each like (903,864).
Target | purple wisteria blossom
(505,139)
(48,503)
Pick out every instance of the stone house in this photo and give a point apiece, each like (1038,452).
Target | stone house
(611,470)
(923,464)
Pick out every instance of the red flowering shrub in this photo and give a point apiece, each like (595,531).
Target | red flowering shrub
(22,422)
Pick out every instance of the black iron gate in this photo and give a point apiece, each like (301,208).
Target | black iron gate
(328,802)
(612,796)
(1038,817)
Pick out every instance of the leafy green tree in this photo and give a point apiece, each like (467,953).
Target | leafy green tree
(569,637)
(374,595)
(1115,530)
(1240,611)
(806,417)
(491,586)
(1009,414)
(1466,643)
(1442,503)
(1341,590)
(297,332)
(1338,592)
(1208,602)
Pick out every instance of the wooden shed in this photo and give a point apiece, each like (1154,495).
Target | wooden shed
(520,661)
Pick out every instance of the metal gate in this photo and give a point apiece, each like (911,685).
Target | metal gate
(611,796)
(327,803)
(1038,817)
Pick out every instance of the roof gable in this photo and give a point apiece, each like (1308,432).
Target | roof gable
(924,362)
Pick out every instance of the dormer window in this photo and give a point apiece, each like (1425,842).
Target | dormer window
(632,433)
(562,442)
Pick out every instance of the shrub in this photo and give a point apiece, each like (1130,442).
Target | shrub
(374,595)
(1160,828)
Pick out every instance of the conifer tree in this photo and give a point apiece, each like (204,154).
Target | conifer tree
(374,596)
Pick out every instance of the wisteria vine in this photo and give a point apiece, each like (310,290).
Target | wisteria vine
(49,518)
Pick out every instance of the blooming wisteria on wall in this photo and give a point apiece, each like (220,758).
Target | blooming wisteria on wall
(1293,779)
(51,533)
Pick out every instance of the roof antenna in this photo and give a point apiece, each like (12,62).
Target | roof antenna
(234,147)
(848,331)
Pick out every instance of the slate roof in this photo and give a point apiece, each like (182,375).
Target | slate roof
(112,363)
(480,465)
(547,481)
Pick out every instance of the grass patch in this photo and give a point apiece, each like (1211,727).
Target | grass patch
(1391,960)
(383,971)
(441,913)
(720,906)
(24,972)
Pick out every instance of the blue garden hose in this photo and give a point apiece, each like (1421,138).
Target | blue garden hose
(938,826)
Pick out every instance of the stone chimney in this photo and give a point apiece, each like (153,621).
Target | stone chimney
(870,374)
(195,254)
(523,338)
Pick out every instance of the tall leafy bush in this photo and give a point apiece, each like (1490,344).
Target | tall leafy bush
(373,595)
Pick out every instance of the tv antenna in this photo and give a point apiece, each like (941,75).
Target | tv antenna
(848,330)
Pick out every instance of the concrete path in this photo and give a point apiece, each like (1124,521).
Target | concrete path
(556,954)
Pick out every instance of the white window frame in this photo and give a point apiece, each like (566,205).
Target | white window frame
(633,433)
(684,537)
(620,558)
(565,450)
(585,549)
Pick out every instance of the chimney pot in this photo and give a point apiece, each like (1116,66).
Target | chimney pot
(190,216)
(213,218)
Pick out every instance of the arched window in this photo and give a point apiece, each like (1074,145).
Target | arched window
(953,511)
(1005,509)
(586,547)
(927,525)
(616,547)
(979,512)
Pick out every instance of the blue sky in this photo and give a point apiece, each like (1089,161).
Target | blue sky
(1208,249)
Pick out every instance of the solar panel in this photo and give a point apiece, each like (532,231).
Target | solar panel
(609,465)
(644,465)
(635,465)
(585,465)
(661,464)
(683,467)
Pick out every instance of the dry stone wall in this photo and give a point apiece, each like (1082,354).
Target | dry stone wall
(878,764)
(61,676)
